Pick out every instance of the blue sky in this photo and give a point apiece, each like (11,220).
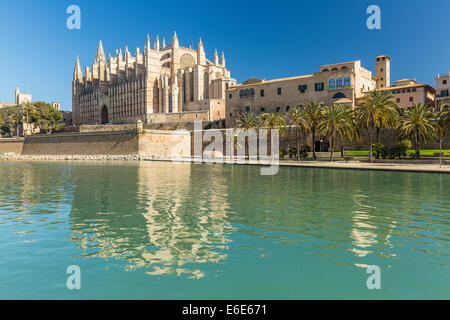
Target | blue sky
(266,39)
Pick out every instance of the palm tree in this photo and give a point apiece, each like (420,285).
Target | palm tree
(26,109)
(274,121)
(311,120)
(337,122)
(248,121)
(444,120)
(296,117)
(418,124)
(378,111)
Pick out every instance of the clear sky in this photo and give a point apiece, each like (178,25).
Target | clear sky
(266,39)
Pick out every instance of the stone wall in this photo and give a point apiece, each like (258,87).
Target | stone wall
(155,143)
(165,144)
(11,145)
(107,143)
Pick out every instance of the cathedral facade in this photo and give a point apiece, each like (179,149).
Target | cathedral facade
(168,80)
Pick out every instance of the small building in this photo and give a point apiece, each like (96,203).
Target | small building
(67,118)
(442,90)
(407,92)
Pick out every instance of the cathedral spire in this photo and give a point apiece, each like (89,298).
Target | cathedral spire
(77,73)
(164,43)
(147,43)
(156,45)
(100,53)
(222,60)
(216,58)
(200,52)
(175,42)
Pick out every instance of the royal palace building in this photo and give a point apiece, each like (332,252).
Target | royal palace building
(162,83)
(340,83)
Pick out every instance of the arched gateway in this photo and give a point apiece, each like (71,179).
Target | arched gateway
(104,115)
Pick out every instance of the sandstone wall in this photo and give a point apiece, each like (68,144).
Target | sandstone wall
(110,143)
(165,144)
(11,145)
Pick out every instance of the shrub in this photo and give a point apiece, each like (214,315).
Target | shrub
(304,150)
(283,153)
(292,152)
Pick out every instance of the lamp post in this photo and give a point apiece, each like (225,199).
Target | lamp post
(440,153)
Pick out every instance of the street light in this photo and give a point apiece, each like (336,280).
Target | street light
(440,153)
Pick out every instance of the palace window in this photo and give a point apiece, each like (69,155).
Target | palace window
(444,81)
(252,92)
(398,100)
(263,109)
(444,93)
(246,92)
(411,99)
(247,109)
(279,91)
(347,81)
(230,96)
(241,93)
(287,108)
(319,86)
(339,82)
(302,88)
(261,93)
(331,83)
(278,109)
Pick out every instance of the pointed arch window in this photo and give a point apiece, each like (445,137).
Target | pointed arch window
(347,81)
(339,82)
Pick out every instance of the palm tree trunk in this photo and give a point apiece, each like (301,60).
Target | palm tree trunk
(417,145)
(332,148)
(296,139)
(313,142)
(378,134)
(370,145)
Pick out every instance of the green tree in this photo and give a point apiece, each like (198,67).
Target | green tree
(26,110)
(13,119)
(46,117)
(296,117)
(418,124)
(337,123)
(377,111)
(311,120)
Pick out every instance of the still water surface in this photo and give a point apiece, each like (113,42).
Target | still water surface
(182,231)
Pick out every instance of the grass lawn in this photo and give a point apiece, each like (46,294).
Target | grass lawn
(422,152)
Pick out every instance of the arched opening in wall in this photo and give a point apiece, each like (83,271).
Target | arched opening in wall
(339,95)
(104,115)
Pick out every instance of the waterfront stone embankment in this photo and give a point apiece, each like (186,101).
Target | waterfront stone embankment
(355,165)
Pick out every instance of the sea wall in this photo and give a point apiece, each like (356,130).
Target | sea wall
(157,143)
(102,143)
(11,145)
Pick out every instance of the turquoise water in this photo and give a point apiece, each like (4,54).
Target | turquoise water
(180,231)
